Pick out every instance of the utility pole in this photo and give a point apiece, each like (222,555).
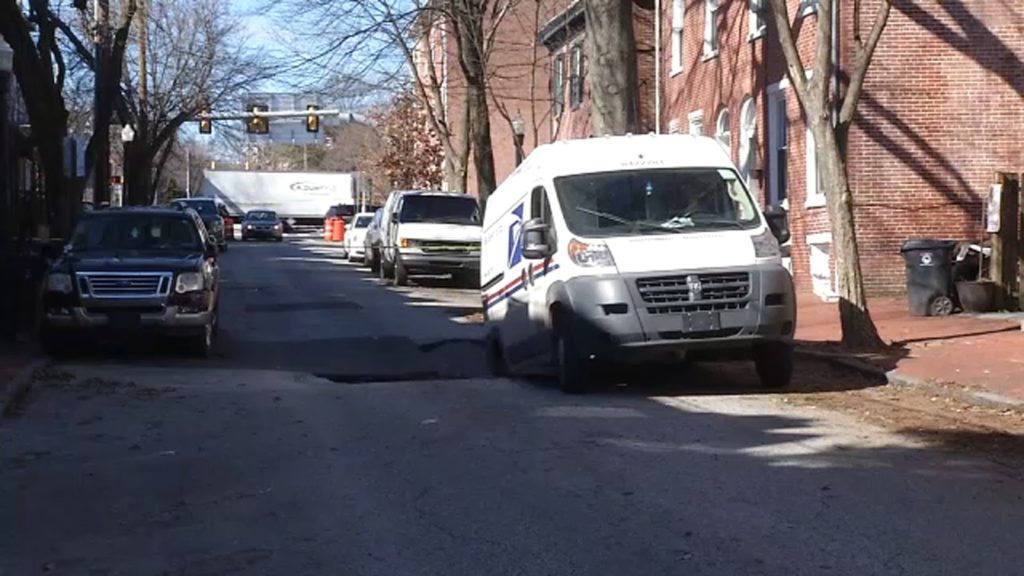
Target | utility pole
(101,39)
(188,171)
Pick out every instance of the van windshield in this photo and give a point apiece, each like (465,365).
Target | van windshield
(663,201)
(440,209)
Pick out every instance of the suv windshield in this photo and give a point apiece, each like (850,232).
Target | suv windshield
(205,208)
(440,209)
(663,201)
(136,232)
(261,215)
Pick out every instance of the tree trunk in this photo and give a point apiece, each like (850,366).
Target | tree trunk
(138,174)
(858,329)
(456,167)
(611,66)
(480,134)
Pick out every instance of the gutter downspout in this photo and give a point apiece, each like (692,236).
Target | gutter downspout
(657,66)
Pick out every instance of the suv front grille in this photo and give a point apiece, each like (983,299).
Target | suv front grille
(125,284)
(695,292)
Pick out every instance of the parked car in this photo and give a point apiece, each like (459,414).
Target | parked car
(129,271)
(629,249)
(354,235)
(212,212)
(262,224)
(371,242)
(428,232)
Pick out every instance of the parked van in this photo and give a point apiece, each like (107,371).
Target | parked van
(428,232)
(633,249)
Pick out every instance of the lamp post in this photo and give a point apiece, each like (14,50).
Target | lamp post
(127,136)
(519,132)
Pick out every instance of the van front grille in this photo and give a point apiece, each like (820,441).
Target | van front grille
(695,292)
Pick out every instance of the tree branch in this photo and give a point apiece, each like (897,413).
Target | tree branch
(862,60)
(794,64)
(83,51)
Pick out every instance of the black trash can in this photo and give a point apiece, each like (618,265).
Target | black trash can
(929,276)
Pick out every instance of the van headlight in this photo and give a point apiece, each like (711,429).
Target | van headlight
(59,283)
(189,282)
(593,255)
(765,244)
(408,243)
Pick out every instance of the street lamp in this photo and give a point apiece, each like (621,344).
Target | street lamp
(519,132)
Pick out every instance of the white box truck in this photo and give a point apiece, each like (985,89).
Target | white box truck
(297,197)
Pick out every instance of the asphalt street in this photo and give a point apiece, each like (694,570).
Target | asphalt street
(348,428)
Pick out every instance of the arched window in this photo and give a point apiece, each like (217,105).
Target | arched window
(722,131)
(748,138)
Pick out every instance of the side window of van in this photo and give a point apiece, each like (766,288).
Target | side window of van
(539,206)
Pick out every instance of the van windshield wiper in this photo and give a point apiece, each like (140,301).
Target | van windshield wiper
(625,221)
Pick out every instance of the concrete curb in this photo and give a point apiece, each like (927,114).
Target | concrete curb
(20,385)
(894,377)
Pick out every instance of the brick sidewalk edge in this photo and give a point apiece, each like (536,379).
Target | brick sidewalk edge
(894,377)
(20,385)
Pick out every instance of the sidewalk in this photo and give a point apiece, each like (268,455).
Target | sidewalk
(985,353)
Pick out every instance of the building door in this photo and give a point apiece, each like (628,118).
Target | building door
(778,145)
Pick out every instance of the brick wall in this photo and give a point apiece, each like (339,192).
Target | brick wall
(942,112)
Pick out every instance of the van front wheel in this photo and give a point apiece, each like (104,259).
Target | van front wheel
(774,363)
(573,366)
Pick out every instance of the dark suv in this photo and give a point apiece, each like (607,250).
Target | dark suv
(212,212)
(127,271)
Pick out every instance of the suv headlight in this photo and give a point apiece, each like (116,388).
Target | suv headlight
(189,282)
(765,244)
(59,283)
(593,255)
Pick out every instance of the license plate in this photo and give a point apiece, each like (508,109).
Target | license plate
(124,320)
(701,321)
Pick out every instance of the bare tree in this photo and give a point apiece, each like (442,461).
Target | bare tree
(830,122)
(41,68)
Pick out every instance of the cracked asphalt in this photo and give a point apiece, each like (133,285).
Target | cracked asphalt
(347,428)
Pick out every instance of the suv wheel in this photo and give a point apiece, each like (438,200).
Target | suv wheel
(774,362)
(201,344)
(401,274)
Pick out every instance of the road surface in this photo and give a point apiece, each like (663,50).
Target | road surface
(348,428)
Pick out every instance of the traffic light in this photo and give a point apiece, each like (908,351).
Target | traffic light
(205,122)
(257,124)
(313,119)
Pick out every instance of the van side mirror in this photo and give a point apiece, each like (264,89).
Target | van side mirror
(537,241)
(778,222)
(393,217)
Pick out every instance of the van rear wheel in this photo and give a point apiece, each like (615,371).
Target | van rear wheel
(401,274)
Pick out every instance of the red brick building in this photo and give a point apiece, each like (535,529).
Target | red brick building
(942,110)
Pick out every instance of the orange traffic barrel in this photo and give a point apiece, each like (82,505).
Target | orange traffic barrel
(328,228)
(338,230)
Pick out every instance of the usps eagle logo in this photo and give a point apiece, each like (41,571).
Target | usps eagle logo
(515,237)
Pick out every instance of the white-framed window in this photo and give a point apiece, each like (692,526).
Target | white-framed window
(696,121)
(807,7)
(576,76)
(758,26)
(748,140)
(815,185)
(723,133)
(710,28)
(557,84)
(678,17)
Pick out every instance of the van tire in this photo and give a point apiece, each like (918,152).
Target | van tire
(774,363)
(496,363)
(401,274)
(372,260)
(574,372)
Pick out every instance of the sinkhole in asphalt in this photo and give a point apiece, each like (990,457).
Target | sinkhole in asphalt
(454,359)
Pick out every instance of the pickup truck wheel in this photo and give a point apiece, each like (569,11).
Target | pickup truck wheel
(401,274)
(573,367)
(774,362)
